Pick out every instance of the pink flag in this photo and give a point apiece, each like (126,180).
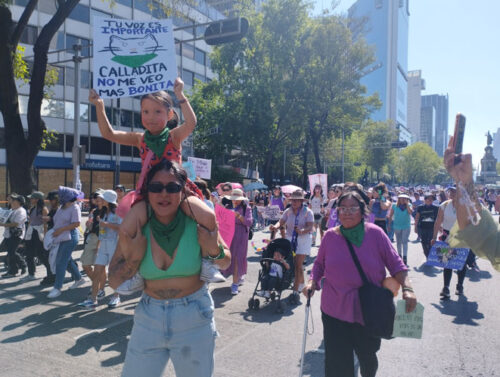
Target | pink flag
(225,219)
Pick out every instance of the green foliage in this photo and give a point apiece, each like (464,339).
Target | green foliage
(21,71)
(420,164)
(48,137)
(377,144)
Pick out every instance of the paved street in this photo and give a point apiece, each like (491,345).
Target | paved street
(42,337)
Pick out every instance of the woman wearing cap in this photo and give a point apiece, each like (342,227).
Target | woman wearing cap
(335,273)
(239,244)
(401,224)
(299,221)
(66,222)
(174,318)
(35,232)
(109,225)
(14,233)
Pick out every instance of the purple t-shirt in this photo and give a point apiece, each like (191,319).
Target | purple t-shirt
(64,217)
(339,297)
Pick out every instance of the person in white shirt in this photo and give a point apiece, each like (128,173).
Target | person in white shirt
(14,233)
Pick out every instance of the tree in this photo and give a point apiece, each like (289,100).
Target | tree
(419,164)
(377,143)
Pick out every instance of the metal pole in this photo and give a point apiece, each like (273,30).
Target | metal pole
(77,184)
(117,160)
(343,149)
(284,161)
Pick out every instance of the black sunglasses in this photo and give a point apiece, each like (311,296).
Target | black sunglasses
(171,187)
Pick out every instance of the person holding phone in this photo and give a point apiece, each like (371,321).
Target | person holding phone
(380,205)
(475,227)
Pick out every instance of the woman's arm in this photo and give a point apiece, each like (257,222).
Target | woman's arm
(210,243)
(196,209)
(408,293)
(69,227)
(180,133)
(121,137)
(113,226)
(437,225)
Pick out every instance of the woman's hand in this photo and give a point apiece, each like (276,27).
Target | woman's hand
(309,289)
(95,99)
(462,171)
(179,88)
(411,300)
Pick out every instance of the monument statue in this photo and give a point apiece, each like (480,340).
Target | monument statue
(489,139)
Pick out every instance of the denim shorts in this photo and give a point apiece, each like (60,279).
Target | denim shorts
(182,329)
(105,252)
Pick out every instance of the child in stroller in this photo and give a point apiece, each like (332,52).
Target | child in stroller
(276,274)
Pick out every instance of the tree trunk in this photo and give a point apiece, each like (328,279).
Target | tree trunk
(268,168)
(315,147)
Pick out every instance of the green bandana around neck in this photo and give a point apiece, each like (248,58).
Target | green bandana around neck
(157,142)
(168,236)
(355,235)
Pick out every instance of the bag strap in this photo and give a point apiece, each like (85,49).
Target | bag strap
(145,164)
(356,262)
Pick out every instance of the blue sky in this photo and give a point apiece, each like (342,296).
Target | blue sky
(455,43)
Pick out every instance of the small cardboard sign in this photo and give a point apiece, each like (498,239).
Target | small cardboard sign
(189,168)
(408,325)
(4,215)
(271,212)
(202,167)
(445,256)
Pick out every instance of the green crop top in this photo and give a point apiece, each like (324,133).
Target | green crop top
(187,261)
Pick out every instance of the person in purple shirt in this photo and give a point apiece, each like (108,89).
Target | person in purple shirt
(335,273)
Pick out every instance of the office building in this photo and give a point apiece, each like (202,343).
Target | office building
(428,126)
(496,144)
(384,25)
(415,86)
(440,104)
(53,166)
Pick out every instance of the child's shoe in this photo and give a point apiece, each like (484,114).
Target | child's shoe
(210,273)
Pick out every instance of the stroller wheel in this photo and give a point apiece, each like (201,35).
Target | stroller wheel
(273,296)
(256,304)
(250,304)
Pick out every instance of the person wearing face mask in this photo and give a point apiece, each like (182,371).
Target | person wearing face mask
(401,224)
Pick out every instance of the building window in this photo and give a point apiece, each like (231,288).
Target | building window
(47,6)
(98,13)
(187,76)
(52,108)
(69,76)
(80,13)
(73,40)
(137,122)
(177,47)
(143,5)
(199,77)
(158,10)
(99,145)
(23,104)
(127,3)
(85,79)
(188,50)
(199,56)
(209,62)
(379,4)
(30,34)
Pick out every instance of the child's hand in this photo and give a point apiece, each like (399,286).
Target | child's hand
(94,98)
(178,87)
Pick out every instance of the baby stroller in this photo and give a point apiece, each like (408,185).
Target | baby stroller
(283,283)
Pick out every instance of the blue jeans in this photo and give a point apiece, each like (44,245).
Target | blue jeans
(402,241)
(64,257)
(182,329)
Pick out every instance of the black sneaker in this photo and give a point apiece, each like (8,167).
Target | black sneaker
(445,293)
(47,281)
(294,298)
(8,275)
(460,290)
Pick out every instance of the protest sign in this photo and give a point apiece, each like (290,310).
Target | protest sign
(133,57)
(408,325)
(442,255)
(271,212)
(202,167)
(318,179)
(189,168)
(225,219)
(4,215)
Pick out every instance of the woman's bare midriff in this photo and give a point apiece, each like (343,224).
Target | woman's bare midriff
(164,289)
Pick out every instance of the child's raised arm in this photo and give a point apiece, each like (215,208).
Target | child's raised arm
(121,137)
(180,133)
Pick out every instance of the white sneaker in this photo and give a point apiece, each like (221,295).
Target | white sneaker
(260,293)
(54,293)
(267,294)
(78,283)
(132,285)
(210,273)
(114,302)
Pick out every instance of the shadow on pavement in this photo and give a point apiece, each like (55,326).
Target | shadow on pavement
(220,296)
(314,364)
(476,276)
(465,312)
(427,270)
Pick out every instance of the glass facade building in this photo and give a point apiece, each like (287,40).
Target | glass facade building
(440,104)
(384,25)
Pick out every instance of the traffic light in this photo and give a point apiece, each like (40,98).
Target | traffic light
(225,31)
(399,144)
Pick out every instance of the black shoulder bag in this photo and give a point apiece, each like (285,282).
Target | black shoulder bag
(250,229)
(377,304)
